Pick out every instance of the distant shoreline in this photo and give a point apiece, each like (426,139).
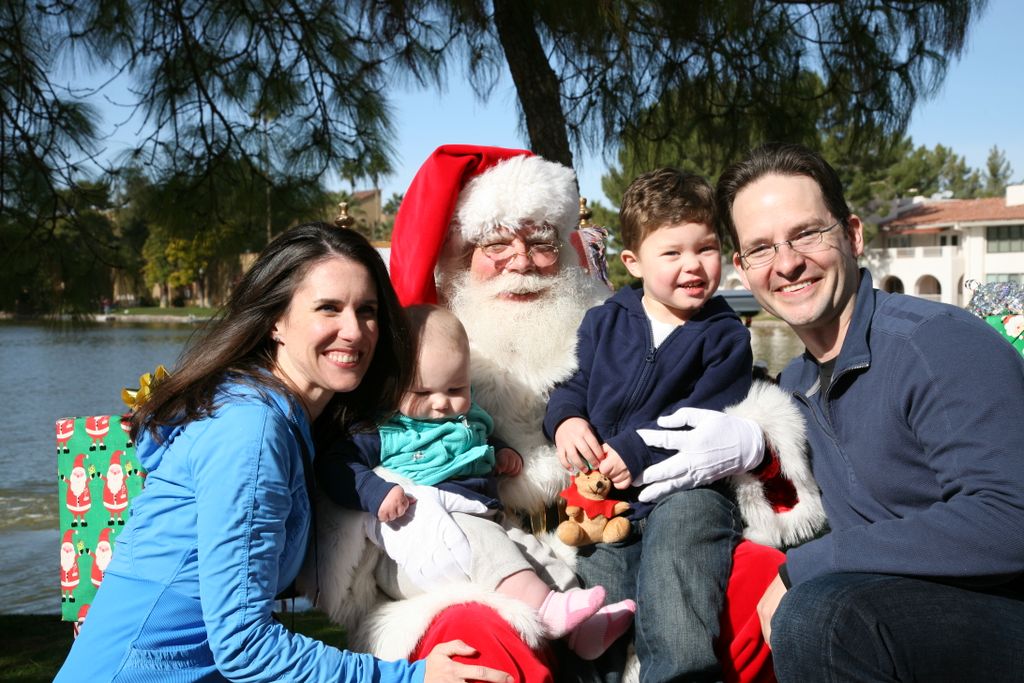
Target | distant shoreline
(760,320)
(183,319)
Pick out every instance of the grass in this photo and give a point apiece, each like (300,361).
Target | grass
(35,646)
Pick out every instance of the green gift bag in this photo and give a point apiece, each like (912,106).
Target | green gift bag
(97,478)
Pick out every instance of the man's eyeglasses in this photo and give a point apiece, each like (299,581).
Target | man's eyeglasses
(540,253)
(807,242)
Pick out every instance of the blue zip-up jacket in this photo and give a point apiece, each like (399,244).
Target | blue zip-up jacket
(219,530)
(917,447)
(346,473)
(623,383)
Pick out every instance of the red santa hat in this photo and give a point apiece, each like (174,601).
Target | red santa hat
(104,536)
(115,458)
(79,462)
(462,193)
(67,537)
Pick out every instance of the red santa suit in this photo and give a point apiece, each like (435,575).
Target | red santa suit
(126,427)
(514,391)
(97,427)
(115,490)
(65,430)
(101,558)
(78,500)
(69,573)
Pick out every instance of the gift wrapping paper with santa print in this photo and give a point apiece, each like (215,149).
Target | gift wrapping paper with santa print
(97,478)
(1011,326)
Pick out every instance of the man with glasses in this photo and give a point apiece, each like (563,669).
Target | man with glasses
(913,412)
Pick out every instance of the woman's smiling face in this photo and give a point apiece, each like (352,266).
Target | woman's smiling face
(327,336)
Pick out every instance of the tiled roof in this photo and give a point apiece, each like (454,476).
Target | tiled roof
(949,211)
(361,195)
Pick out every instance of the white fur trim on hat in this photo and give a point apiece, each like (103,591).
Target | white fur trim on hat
(783,426)
(516,191)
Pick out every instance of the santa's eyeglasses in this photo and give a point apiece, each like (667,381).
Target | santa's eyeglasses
(541,254)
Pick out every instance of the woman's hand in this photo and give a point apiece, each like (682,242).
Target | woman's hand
(441,668)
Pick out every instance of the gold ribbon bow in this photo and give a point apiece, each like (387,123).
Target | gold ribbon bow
(133,398)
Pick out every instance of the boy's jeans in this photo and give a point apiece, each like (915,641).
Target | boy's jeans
(676,569)
(869,627)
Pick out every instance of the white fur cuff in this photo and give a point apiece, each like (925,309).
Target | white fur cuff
(783,426)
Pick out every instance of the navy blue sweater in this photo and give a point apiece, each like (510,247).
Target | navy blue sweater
(916,447)
(623,383)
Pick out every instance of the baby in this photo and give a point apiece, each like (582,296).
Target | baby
(440,438)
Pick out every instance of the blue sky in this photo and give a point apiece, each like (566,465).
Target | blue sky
(980,104)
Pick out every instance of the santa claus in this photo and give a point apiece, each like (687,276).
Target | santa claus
(65,430)
(115,490)
(97,427)
(491,233)
(78,500)
(126,427)
(69,574)
(101,557)
(83,612)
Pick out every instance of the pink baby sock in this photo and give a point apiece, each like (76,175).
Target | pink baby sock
(591,638)
(563,612)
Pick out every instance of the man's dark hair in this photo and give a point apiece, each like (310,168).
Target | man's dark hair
(780,159)
(663,198)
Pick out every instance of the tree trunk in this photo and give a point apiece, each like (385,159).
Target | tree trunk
(535,80)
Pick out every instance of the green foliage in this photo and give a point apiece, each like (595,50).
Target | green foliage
(722,70)
(196,230)
(876,168)
(60,260)
(997,173)
(392,204)
(244,107)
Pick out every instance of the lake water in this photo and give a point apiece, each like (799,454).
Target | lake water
(48,372)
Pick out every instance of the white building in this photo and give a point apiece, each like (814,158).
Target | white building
(932,247)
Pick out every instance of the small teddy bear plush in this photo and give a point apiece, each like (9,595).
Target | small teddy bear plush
(592,516)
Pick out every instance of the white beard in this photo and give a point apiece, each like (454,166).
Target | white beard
(531,340)
(520,351)
(67,557)
(115,479)
(77,483)
(103,555)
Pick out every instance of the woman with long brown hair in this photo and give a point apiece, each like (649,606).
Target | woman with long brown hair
(311,345)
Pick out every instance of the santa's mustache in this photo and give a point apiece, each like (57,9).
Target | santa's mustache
(513,283)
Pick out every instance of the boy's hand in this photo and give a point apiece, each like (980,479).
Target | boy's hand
(616,470)
(394,505)
(578,448)
(508,461)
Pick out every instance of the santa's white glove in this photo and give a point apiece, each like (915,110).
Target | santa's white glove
(426,542)
(717,445)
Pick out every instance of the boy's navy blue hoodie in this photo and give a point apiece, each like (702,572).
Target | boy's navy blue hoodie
(623,383)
